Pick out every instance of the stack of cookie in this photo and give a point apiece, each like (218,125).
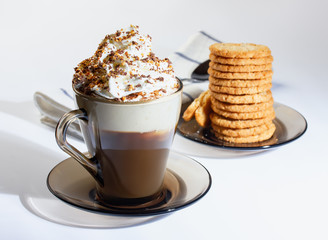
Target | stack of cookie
(241,100)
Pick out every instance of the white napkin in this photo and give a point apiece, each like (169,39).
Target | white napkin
(51,111)
(53,104)
(191,54)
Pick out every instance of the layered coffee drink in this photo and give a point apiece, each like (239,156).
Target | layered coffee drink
(131,100)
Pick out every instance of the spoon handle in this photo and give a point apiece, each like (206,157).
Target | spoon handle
(192,80)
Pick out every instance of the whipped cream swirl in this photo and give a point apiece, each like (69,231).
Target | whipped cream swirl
(124,68)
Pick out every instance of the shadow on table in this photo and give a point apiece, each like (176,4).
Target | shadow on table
(23,110)
(23,172)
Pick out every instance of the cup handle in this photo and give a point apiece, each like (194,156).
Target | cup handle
(61,130)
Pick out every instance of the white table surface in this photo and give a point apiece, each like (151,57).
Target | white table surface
(279,194)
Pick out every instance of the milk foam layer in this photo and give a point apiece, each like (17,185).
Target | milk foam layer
(125,69)
(159,115)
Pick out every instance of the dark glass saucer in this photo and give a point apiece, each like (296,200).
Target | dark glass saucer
(185,182)
(290,125)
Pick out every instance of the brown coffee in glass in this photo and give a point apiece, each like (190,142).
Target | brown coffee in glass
(129,144)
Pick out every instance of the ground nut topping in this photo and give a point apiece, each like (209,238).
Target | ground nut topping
(125,69)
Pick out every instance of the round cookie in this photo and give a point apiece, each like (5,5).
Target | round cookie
(243,115)
(267,134)
(239,82)
(240,50)
(241,61)
(243,132)
(241,75)
(240,68)
(233,123)
(240,90)
(243,99)
(241,107)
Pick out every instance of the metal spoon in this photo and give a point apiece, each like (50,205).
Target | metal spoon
(200,74)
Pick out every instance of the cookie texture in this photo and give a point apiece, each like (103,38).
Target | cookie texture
(243,115)
(242,99)
(240,75)
(241,61)
(241,83)
(265,135)
(240,90)
(240,68)
(243,132)
(217,119)
(200,108)
(240,50)
(241,107)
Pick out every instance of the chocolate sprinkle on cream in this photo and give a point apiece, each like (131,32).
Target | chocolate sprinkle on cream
(125,69)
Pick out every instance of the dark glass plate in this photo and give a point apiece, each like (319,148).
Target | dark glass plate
(289,123)
(185,182)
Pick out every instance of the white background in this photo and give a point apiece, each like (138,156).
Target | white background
(280,194)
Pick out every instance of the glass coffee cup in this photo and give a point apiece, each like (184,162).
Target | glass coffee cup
(129,143)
